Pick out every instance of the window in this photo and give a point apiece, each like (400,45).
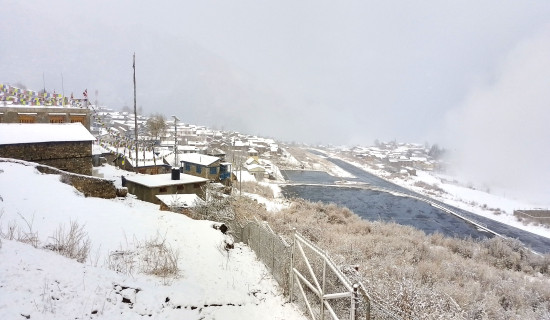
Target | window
(213,170)
(187,167)
(180,187)
(77,119)
(162,189)
(26,119)
(57,119)
(199,169)
(196,185)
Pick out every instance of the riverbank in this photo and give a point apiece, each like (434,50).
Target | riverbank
(441,188)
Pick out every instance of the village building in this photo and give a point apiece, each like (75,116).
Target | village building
(208,167)
(149,162)
(66,146)
(216,152)
(147,187)
(44,114)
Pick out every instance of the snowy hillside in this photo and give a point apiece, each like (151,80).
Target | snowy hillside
(36,283)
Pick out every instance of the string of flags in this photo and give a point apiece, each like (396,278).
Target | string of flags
(34,98)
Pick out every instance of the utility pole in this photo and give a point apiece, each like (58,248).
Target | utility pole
(62,91)
(175,141)
(135,112)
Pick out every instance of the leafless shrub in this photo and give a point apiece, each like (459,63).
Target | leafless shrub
(159,258)
(429,187)
(122,261)
(72,243)
(15,232)
(215,209)
(256,188)
(152,256)
(414,275)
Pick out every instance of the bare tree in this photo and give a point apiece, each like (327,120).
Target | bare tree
(156,125)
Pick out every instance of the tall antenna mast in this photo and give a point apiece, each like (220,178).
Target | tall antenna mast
(135,111)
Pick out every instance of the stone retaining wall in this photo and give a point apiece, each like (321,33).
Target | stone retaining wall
(88,185)
(69,156)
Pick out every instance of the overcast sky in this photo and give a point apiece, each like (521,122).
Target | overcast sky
(341,72)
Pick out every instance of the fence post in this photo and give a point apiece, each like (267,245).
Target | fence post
(322,297)
(291,291)
(355,301)
(260,243)
(272,255)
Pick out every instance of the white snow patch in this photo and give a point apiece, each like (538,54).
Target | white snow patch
(38,283)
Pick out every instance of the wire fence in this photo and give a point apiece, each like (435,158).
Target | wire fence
(308,277)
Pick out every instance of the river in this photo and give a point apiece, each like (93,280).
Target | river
(384,206)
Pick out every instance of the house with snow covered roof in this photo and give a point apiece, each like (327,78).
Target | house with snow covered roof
(66,146)
(44,114)
(148,187)
(201,165)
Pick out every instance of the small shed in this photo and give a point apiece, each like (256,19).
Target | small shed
(257,170)
(147,187)
(181,203)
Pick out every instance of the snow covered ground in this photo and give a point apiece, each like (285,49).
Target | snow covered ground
(445,189)
(36,283)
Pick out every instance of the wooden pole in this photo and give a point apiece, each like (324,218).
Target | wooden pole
(135,111)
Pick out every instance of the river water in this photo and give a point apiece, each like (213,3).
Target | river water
(376,205)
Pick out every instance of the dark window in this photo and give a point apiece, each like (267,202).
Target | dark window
(75,119)
(26,119)
(199,169)
(180,187)
(162,189)
(187,167)
(213,170)
(57,119)
(196,185)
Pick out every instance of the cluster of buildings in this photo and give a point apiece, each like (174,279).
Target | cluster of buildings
(170,169)
(399,157)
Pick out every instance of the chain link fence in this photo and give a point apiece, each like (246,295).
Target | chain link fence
(270,248)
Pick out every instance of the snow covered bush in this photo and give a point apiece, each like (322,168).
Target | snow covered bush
(151,256)
(413,275)
(256,188)
(15,232)
(72,243)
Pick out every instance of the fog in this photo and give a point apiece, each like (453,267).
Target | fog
(464,74)
(500,135)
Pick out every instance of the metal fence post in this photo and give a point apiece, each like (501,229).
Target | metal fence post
(291,291)
(272,254)
(355,301)
(260,243)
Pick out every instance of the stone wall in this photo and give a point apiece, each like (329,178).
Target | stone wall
(88,185)
(69,156)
